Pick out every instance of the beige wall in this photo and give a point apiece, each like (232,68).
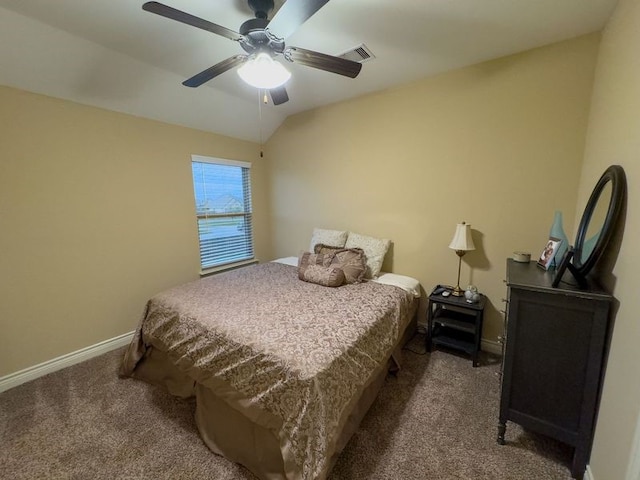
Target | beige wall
(498,145)
(96,215)
(614,138)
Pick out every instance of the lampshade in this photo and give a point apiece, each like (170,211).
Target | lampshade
(462,240)
(263,72)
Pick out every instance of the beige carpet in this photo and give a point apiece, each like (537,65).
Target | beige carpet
(436,420)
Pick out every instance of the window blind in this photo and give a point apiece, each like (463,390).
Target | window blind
(222,192)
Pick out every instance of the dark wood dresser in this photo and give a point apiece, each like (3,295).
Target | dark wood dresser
(553,358)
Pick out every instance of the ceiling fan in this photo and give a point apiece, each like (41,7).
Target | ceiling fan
(262,40)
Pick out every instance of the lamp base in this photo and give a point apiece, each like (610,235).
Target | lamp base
(457,291)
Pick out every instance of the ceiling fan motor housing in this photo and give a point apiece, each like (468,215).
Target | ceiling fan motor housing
(253,24)
(256,38)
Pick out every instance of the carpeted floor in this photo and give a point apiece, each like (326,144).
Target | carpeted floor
(435,420)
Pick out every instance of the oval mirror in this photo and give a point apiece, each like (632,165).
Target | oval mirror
(596,225)
(594,228)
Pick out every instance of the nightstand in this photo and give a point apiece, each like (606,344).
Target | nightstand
(454,323)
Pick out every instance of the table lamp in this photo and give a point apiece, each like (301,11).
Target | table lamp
(461,243)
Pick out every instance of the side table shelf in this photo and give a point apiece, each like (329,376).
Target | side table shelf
(454,323)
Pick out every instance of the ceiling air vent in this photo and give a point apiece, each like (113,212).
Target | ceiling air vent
(361,54)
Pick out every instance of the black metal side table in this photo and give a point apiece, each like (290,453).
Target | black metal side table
(455,323)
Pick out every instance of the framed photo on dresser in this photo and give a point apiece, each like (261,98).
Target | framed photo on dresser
(546,257)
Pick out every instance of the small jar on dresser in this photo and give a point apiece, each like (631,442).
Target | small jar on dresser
(554,356)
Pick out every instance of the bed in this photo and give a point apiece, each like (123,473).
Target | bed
(283,370)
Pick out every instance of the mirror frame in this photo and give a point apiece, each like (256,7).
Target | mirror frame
(572,259)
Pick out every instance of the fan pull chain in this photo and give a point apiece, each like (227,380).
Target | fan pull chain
(260,117)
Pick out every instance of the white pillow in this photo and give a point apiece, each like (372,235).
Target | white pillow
(333,238)
(408,284)
(293,261)
(374,248)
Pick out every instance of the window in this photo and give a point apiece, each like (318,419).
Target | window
(222,191)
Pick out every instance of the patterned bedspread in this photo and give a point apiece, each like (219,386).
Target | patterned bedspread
(300,351)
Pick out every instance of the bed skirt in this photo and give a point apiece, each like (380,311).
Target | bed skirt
(245,434)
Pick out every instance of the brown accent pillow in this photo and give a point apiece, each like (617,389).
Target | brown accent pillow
(307,258)
(352,261)
(326,276)
(324,248)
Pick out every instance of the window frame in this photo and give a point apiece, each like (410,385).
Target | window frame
(247,214)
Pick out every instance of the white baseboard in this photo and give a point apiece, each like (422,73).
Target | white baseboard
(491,347)
(588,475)
(31,373)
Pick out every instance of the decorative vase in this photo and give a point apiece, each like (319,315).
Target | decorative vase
(557,231)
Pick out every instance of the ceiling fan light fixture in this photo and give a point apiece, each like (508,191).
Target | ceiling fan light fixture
(263,72)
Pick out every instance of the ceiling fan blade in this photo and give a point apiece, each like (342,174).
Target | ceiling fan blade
(279,95)
(292,14)
(180,16)
(214,71)
(322,61)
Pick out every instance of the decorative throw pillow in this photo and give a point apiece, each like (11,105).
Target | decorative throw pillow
(307,258)
(324,249)
(351,261)
(374,248)
(336,238)
(326,276)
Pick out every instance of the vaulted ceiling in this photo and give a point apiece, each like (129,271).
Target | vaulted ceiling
(114,55)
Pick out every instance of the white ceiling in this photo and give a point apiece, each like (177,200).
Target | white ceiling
(114,55)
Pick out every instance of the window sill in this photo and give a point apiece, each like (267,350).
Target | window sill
(229,266)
